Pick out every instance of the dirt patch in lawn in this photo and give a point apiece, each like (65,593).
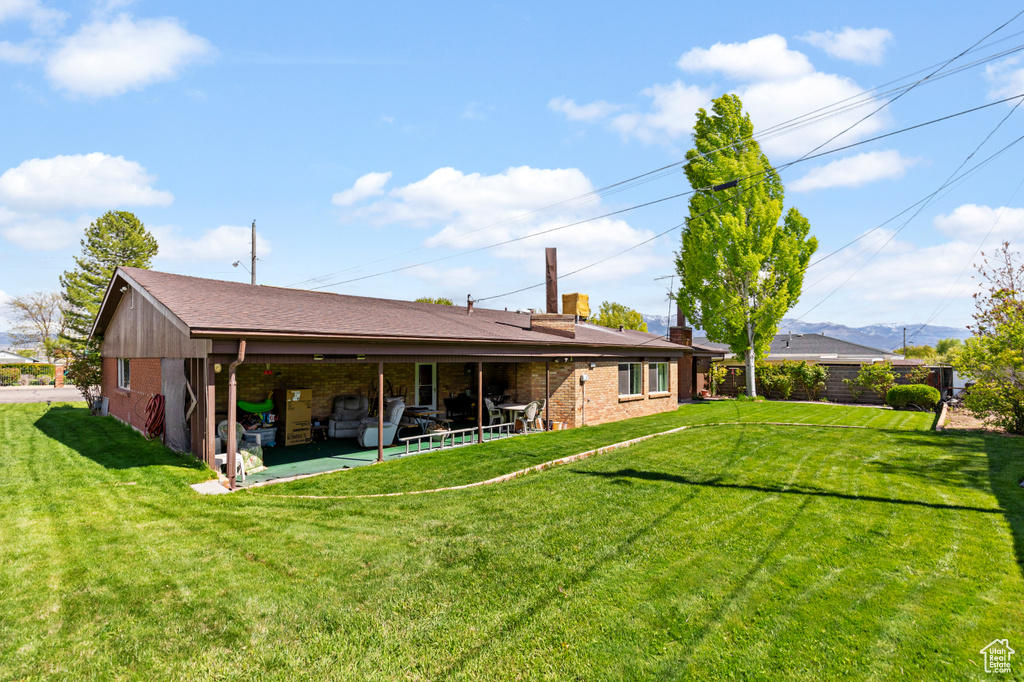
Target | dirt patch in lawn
(961,419)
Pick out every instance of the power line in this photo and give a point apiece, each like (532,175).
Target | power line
(769,133)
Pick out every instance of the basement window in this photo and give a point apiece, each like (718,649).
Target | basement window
(124,372)
(630,378)
(657,373)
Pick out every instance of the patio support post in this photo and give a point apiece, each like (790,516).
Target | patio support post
(547,395)
(233,413)
(380,411)
(209,415)
(480,401)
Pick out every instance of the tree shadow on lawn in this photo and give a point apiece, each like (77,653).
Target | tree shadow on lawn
(776,490)
(108,442)
(1006,472)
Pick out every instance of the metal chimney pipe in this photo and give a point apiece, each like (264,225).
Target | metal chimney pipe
(551,279)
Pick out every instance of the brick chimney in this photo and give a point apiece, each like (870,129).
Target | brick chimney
(679,332)
(551,279)
(558,325)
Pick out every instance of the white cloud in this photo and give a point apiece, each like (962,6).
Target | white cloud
(1006,77)
(860,45)
(19,53)
(79,181)
(673,111)
(34,232)
(855,171)
(595,111)
(226,243)
(973,222)
(776,85)
(44,20)
(107,58)
(474,210)
(765,58)
(369,185)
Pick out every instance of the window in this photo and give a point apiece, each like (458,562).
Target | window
(124,373)
(657,377)
(630,379)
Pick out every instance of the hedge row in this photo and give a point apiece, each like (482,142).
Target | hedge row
(35,369)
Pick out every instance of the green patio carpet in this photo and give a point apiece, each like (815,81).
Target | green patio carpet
(332,454)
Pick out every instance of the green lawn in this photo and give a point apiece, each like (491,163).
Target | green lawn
(460,466)
(743,551)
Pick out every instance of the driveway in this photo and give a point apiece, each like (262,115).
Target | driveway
(38,394)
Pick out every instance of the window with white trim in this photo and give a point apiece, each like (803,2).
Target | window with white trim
(630,378)
(657,373)
(124,371)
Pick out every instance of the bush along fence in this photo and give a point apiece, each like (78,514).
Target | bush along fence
(839,385)
(31,374)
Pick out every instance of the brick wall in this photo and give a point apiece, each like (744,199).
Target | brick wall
(602,394)
(525,380)
(327,381)
(130,405)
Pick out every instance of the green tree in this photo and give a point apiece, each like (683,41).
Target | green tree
(617,315)
(117,238)
(740,268)
(993,356)
(438,301)
(924,352)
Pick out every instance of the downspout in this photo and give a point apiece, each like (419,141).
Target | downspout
(233,413)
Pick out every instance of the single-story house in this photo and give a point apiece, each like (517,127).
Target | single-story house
(11,358)
(844,360)
(223,342)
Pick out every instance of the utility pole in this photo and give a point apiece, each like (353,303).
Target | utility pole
(904,340)
(253,270)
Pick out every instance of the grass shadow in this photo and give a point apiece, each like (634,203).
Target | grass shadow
(777,490)
(108,442)
(1006,472)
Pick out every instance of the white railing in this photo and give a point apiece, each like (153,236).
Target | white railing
(438,440)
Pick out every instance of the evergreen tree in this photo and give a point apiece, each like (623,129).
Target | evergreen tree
(740,269)
(117,238)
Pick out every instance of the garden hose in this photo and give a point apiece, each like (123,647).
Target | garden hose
(154,417)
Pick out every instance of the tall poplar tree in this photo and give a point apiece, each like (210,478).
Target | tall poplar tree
(116,238)
(740,268)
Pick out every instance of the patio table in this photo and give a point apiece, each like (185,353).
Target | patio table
(512,408)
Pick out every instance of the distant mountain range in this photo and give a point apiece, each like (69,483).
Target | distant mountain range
(883,336)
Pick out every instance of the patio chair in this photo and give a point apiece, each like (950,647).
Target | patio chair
(541,404)
(493,413)
(368,435)
(349,412)
(529,414)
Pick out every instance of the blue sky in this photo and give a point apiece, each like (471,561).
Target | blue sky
(368,137)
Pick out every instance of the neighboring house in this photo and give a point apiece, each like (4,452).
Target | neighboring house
(7,357)
(843,358)
(816,348)
(178,336)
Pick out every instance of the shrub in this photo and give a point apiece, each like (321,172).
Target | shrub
(918,395)
(811,377)
(774,377)
(877,377)
(716,375)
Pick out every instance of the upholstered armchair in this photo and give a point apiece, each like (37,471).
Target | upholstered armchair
(349,412)
(368,436)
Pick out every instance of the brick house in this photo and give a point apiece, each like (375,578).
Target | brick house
(204,344)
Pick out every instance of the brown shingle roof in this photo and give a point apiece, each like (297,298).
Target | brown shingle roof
(215,307)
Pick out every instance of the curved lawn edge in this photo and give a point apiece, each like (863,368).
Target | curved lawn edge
(552,463)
